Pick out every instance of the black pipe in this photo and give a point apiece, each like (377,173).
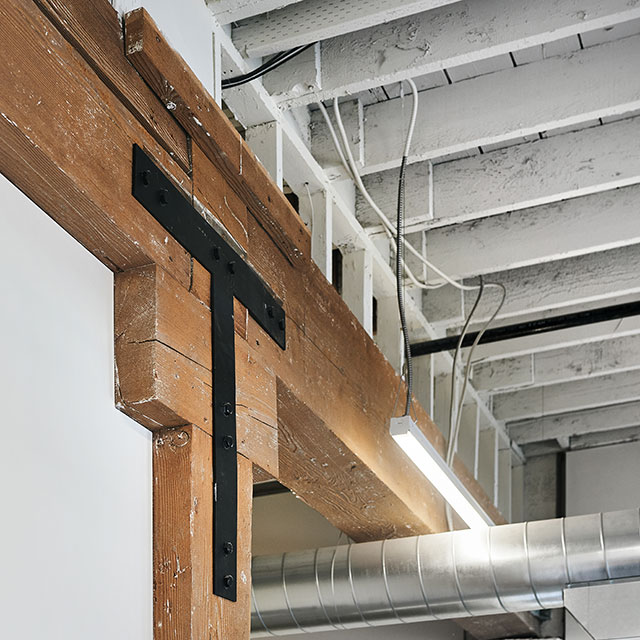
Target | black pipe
(530,328)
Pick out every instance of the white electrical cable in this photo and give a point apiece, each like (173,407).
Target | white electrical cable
(353,171)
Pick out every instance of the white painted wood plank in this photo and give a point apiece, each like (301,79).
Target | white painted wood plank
(567,396)
(313,20)
(557,92)
(504,483)
(542,234)
(389,336)
(316,209)
(610,418)
(357,286)
(322,145)
(265,140)
(487,462)
(451,36)
(518,177)
(227,11)
(468,438)
(591,278)
(560,365)
(503,374)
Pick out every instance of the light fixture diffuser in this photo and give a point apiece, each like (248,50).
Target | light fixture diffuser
(425,456)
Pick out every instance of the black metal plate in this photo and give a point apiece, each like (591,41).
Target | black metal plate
(231,277)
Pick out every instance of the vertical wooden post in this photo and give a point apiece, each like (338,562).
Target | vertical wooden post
(184,604)
(265,141)
(357,286)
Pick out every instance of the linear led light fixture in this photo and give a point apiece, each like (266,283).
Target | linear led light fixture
(425,456)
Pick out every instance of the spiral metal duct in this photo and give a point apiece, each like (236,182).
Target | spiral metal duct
(508,568)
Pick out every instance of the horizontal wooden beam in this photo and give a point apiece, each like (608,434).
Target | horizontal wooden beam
(578,423)
(522,176)
(467,32)
(591,278)
(558,92)
(559,365)
(564,397)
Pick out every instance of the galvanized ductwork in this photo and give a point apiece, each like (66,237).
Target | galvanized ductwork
(516,567)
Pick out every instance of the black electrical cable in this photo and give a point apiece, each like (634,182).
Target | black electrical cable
(400,282)
(269,65)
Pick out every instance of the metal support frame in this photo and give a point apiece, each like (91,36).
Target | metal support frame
(529,328)
(231,277)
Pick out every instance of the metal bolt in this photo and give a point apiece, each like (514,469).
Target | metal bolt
(228,581)
(163,196)
(216,253)
(146,177)
(228,442)
(227,547)
(227,409)
(281,324)
(270,311)
(231,266)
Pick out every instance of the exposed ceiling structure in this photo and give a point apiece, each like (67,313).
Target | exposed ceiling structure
(524,169)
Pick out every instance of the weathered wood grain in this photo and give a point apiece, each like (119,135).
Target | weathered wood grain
(67,144)
(94,30)
(184,604)
(197,112)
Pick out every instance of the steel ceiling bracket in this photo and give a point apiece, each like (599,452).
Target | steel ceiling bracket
(231,277)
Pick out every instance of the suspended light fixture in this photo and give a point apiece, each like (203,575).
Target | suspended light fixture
(425,456)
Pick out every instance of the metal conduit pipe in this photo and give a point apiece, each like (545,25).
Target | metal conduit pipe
(507,568)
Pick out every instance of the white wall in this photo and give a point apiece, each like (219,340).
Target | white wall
(603,479)
(75,474)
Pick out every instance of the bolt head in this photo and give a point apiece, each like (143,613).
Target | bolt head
(216,253)
(228,442)
(227,547)
(281,324)
(270,311)
(228,581)
(231,265)
(163,196)
(146,177)
(227,409)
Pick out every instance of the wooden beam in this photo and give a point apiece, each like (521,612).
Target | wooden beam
(578,423)
(522,176)
(585,279)
(443,38)
(560,365)
(184,604)
(316,20)
(564,397)
(203,119)
(558,92)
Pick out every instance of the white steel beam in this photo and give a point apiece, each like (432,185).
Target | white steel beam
(227,11)
(610,418)
(558,92)
(559,365)
(591,278)
(560,398)
(313,20)
(316,209)
(443,38)
(518,177)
